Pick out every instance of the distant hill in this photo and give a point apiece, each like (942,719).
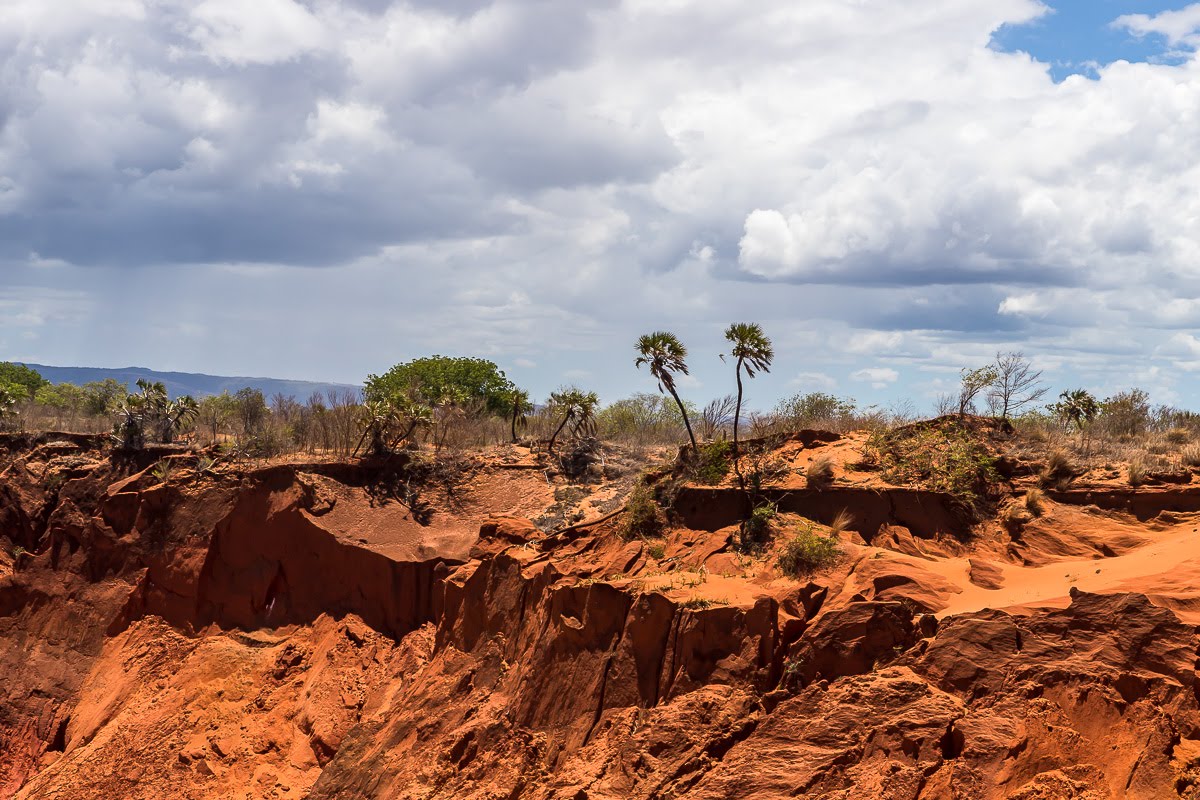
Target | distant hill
(195,384)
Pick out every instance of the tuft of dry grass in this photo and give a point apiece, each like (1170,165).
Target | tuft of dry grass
(1136,472)
(820,472)
(1059,470)
(1015,516)
(1178,436)
(841,523)
(1190,456)
(1035,502)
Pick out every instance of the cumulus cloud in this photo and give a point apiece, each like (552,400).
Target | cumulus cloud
(878,377)
(1179,27)
(539,182)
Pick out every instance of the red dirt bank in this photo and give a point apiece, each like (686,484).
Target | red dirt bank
(293,632)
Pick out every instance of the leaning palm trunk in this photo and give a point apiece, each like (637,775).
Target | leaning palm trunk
(737,422)
(686,422)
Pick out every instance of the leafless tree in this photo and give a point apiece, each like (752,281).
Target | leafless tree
(1017,385)
(716,416)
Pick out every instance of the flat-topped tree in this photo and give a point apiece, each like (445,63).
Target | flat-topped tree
(432,379)
(752,351)
(665,355)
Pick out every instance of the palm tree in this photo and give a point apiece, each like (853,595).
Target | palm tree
(665,354)
(753,351)
(176,415)
(576,406)
(1076,407)
(521,409)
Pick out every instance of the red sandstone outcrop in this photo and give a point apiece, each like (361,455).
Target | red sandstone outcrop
(292,632)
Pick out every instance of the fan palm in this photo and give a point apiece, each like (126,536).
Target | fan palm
(665,355)
(577,407)
(753,352)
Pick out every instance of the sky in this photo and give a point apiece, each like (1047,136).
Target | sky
(312,189)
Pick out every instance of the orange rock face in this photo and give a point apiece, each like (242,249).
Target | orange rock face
(309,632)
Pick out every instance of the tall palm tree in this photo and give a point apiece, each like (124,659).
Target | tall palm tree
(754,352)
(664,354)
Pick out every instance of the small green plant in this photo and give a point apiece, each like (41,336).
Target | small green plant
(205,465)
(656,550)
(820,472)
(756,530)
(712,463)
(808,552)
(18,551)
(643,518)
(162,471)
(696,603)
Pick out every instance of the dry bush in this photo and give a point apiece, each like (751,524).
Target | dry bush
(820,472)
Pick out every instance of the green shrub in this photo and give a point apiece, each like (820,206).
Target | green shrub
(947,457)
(808,552)
(756,530)
(643,519)
(162,471)
(712,462)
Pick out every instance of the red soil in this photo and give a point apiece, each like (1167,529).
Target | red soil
(297,632)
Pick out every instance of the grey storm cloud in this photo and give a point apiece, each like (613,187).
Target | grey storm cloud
(355,182)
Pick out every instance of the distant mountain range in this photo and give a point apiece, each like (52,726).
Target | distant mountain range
(195,384)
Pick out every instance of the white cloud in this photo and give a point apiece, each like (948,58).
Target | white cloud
(878,377)
(261,32)
(814,382)
(541,181)
(1179,26)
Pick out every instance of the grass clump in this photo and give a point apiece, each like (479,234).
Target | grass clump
(656,550)
(1059,471)
(946,457)
(820,472)
(643,518)
(756,529)
(712,462)
(808,552)
(1137,472)
(1190,456)
(841,523)
(1035,502)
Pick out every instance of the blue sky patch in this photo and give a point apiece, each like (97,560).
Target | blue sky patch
(1078,36)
